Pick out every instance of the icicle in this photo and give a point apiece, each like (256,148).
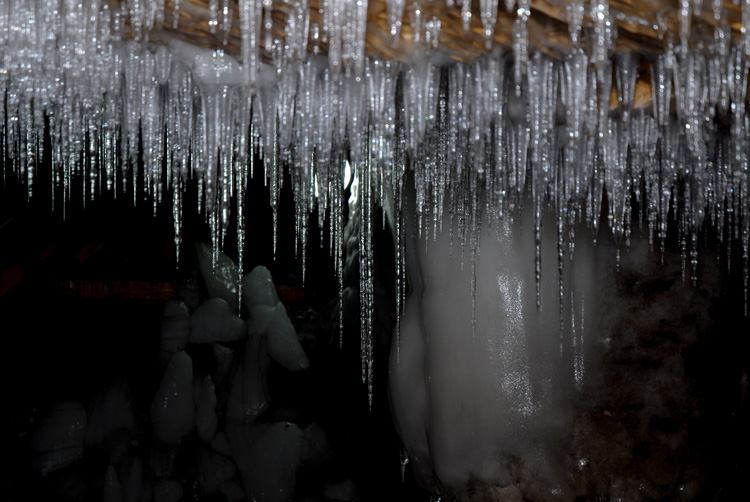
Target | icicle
(432,33)
(466,14)
(225,21)
(684,15)
(268,25)
(416,23)
(745,29)
(176,6)
(213,13)
(521,42)
(538,252)
(488,16)
(250,14)
(661,87)
(275,175)
(339,187)
(625,67)
(353,36)
(395,13)
(366,278)
(579,364)
(297,30)
(404,462)
(574,10)
(560,267)
(604,34)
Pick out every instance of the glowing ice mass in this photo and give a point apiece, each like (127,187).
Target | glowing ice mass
(562,136)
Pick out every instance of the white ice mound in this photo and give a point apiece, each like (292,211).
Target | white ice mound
(209,67)
(216,321)
(268,317)
(260,318)
(472,404)
(267,456)
(221,280)
(173,408)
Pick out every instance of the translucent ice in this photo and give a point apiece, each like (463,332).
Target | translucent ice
(248,397)
(215,321)
(512,364)
(283,343)
(258,288)
(173,408)
(395,10)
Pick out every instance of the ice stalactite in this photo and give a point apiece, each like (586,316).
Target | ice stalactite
(395,10)
(213,20)
(521,42)
(466,13)
(475,137)
(249,14)
(488,9)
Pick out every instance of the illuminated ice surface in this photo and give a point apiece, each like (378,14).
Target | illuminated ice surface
(470,147)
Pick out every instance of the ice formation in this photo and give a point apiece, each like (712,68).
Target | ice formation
(126,116)
(526,378)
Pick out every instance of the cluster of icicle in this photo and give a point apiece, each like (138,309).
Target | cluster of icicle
(477,138)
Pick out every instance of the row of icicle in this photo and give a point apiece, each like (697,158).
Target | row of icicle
(477,139)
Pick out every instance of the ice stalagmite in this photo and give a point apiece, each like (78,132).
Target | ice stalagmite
(205,417)
(249,397)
